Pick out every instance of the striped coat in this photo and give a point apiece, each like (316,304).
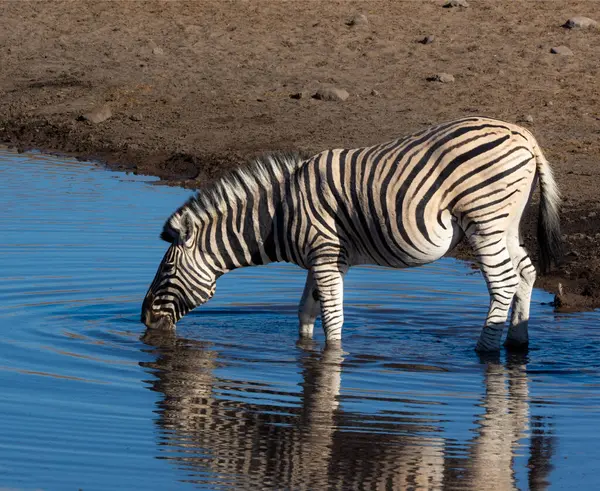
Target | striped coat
(399,204)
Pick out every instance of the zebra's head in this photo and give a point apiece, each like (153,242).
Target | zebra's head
(186,277)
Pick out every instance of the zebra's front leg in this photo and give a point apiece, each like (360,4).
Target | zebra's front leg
(309,308)
(329,280)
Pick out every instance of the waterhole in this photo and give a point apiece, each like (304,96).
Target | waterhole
(233,401)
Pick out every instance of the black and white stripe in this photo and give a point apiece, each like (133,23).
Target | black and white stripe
(399,204)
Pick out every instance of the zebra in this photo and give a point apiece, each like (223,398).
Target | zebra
(399,204)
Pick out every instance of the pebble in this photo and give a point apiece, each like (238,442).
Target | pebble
(561,50)
(580,22)
(96,115)
(296,95)
(527,118)
(135,117)
(358,20)
(456,3)
(331,94)
(375,93)
(444,78)
(158,51)
(592,214)
(427,40)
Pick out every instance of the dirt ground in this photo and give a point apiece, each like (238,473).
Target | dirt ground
(196,88)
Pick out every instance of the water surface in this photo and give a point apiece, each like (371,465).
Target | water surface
(233,401)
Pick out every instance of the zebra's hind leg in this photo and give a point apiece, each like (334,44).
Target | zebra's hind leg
(329,280)
(518,337)
(309,308)
(502,281)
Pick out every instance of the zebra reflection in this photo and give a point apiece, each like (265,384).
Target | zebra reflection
(313,443)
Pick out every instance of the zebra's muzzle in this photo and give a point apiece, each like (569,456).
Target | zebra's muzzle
(152,320)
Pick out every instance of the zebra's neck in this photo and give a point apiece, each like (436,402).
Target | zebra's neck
(251,229)
(244,219)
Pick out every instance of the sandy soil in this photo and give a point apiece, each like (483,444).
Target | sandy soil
(196,88)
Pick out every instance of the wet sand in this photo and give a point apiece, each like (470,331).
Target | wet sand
(195,89)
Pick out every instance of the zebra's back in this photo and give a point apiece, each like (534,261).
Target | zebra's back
(409,201)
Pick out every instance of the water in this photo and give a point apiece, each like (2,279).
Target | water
(234,401)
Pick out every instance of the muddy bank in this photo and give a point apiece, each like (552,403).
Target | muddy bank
(186,91)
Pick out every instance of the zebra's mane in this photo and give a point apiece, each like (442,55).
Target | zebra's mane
(212,199)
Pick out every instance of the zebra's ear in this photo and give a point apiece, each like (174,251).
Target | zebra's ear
(180,228)
(169,233)
(187,228)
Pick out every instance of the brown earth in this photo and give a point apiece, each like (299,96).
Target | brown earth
(196,88)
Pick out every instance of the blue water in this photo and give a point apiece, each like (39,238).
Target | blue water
(234,402)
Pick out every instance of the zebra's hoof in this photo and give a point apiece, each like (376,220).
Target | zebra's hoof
(306,331)
(333,344)
(481,348)
(514,345)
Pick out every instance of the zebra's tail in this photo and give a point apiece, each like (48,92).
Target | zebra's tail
(548,230)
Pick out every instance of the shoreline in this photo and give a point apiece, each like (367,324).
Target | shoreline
(581,293)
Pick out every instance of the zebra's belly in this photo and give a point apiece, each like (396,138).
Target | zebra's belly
(399,254)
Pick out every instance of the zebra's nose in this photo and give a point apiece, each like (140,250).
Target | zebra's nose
(155,320)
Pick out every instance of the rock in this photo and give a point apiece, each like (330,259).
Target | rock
(444,78)
(559,297)
(135,117)
(592,214)
(561,50)
(375,93)
(427,40)
(358,20)
(158,51)
(296,95)
(528,118)
(580,22)
(456,3)
(96,115)
(331,94)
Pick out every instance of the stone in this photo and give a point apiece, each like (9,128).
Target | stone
(444,78)
(296,95)
(427,40)
(456,3)
(561,50)
(528,118)
(135,117)
(375,93)
(358,20)
(97,115)
(158,51)
(580,22)
(331,94)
